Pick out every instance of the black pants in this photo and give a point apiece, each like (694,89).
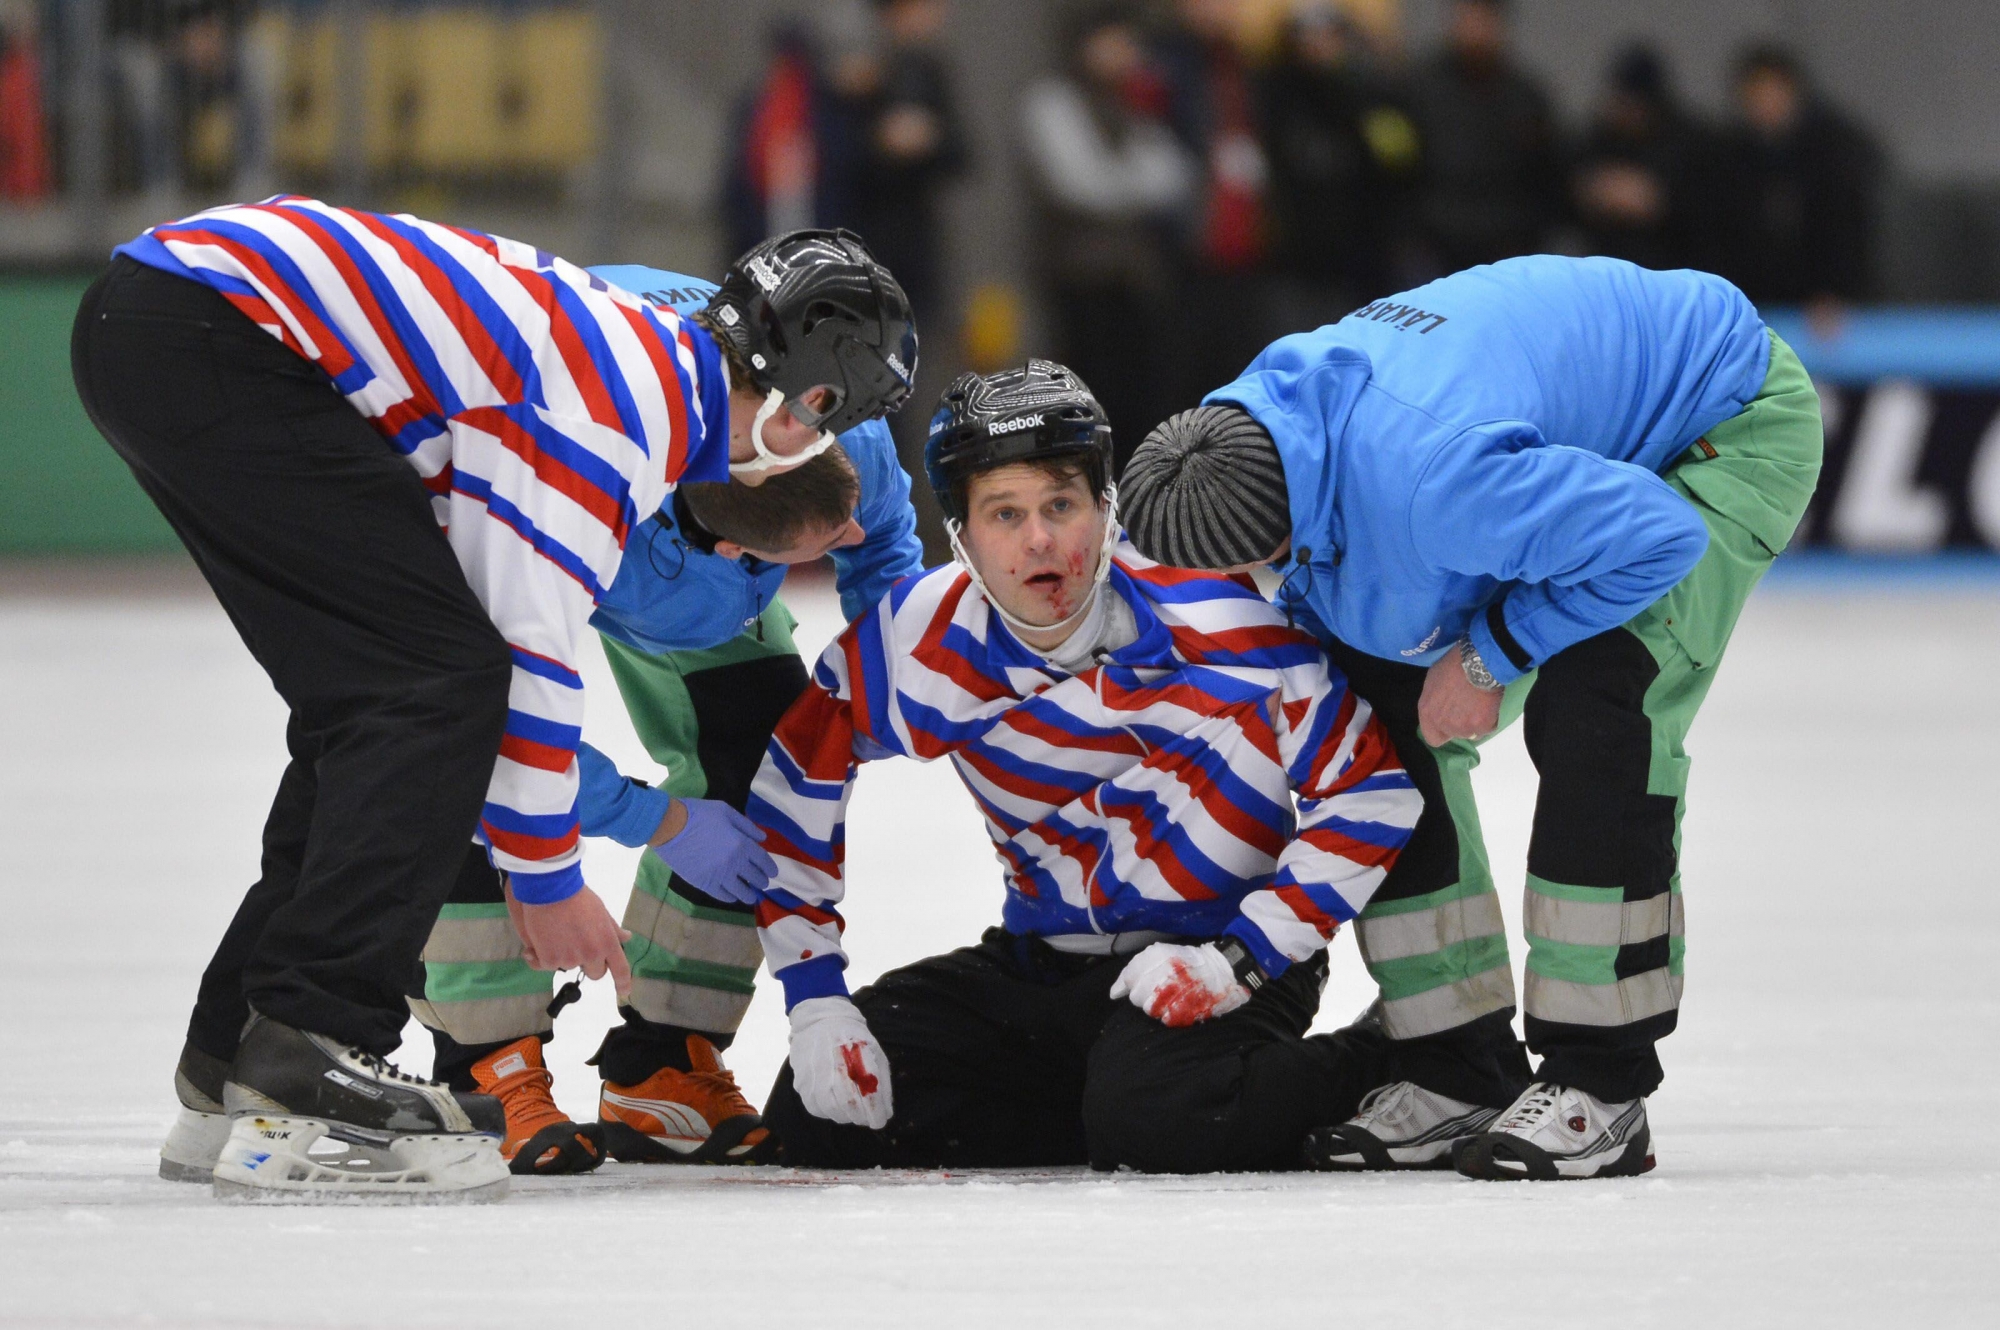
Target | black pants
(1010,1054)
(320,543)
(1479,1062)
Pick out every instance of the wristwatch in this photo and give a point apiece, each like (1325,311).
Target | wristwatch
(1475,668)
(1241,963)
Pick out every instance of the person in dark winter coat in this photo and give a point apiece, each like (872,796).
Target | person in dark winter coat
(1492,179)
(1798,193)
(1343,155)
(910,144)
(1640,184)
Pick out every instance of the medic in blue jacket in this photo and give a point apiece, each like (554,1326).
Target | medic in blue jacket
(677,593)
(701,649)
(1543,488)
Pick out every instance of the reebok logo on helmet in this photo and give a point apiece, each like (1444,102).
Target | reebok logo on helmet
(1015,424)
(765,273)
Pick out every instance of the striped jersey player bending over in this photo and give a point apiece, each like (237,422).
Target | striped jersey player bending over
(1186,802)
(408,458)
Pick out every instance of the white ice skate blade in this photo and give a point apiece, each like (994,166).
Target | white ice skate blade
(296,1160)
(193,1143)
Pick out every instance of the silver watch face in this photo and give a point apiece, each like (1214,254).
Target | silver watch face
(1475,667)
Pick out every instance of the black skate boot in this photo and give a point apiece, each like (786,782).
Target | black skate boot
(196,1138)
(316,1119)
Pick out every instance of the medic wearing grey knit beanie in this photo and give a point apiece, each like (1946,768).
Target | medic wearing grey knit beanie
(1206,490)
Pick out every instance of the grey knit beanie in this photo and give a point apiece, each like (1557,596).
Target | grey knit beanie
(1206,490)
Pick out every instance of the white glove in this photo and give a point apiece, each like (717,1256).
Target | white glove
(1178,985)
(838,1069)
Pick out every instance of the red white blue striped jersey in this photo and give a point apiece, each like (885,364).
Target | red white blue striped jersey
(548,413)
(1154,791)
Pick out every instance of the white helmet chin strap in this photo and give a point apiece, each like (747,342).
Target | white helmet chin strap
(1110,542)
(767,460)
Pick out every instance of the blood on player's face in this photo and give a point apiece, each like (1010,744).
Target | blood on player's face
(1034,538)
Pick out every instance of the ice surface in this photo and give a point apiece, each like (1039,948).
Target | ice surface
(1825,1135)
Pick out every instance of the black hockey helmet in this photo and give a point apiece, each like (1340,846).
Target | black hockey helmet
(813,309)
(1041,410)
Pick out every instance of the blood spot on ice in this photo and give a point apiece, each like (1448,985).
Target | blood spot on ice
(806,955)
(857,1071)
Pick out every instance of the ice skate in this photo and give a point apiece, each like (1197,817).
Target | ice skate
(540,1137)
(1400,1126)
(683,1117)
(195,1139)
(314,1119)
(1553,1131)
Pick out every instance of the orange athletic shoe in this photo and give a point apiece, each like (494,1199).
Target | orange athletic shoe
(540,1136)
(682,1117)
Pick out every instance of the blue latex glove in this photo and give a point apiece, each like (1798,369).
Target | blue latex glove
(718,852)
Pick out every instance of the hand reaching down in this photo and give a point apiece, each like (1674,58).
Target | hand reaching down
(571,934)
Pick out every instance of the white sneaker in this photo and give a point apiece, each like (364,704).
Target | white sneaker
(1553,1131)
(1400,1125)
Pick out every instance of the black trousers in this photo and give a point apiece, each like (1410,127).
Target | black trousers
(320,543)
(1479,1062)
(1010,1054)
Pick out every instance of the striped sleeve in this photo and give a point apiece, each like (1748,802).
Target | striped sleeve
(1356,810)
(799,798)
(536,557)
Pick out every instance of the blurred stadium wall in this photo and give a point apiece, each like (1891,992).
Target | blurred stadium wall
(597,129)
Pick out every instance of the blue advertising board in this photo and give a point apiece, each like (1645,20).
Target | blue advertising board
(1911,400)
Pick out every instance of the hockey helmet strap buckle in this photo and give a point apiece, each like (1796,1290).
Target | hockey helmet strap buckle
(767,460)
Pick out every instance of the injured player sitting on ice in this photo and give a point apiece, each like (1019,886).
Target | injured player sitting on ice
(1186,801)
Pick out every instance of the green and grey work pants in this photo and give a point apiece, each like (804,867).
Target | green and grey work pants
(706,716)
(1606,724)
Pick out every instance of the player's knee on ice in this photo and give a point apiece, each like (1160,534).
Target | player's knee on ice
(1233,1094)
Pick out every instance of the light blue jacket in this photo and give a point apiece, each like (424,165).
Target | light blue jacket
(670,595)
(1481,455)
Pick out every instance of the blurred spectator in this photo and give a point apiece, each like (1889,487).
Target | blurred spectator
(1109,179)
(136,48)
(1211,106)
(213,120)
(792,157)
(1640,183)
(1343,155)
(1492,180)
(25,174)
(910,144)
(1798,194)
(190,110)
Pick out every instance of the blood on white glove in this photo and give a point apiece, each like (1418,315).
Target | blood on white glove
(1178,985)
(838,1069)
